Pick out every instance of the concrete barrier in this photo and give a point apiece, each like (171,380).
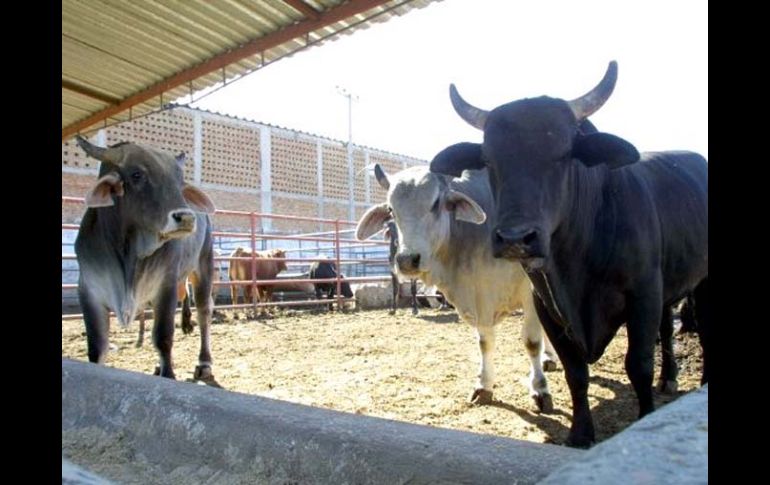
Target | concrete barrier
(373,296)
(667,446)
(135,428)
(72,474)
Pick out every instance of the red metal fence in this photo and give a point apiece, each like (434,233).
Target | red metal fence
(338,243)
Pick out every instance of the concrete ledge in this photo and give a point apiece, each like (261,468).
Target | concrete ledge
(667,446)
(181,431)
(72,474)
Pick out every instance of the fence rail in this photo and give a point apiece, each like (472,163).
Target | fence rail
(249,240)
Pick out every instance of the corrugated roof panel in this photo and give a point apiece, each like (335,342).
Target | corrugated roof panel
(88,65)
(185,29)
(80,101)
(130,51)
(280,12)
(248,15)
(102,27)
(121,49)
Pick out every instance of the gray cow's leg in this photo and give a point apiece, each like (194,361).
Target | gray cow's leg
(97,321)
(532,335)
(483,392)
(414,297)
(163,328)
(204,305)
(140,339)
(667,383)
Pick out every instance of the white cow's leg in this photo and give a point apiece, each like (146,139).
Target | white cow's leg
(549,358)
(483,392)
(532,334)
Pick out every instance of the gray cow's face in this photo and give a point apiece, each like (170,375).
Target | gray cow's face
(147,188)
(422,205)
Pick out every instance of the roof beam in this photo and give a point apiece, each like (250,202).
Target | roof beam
(88,92)
(328,17)
(304,8)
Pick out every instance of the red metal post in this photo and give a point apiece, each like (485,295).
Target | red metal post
(254,290)
(339,268)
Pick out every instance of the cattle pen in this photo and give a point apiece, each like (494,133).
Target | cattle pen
(361,256)
(400,381)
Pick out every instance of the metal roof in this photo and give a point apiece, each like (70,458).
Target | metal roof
(124,59)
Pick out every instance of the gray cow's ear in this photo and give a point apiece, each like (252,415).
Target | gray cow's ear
(465,208)
(101,193)
(597,148)
(372,221)
(453,159)
(198,199)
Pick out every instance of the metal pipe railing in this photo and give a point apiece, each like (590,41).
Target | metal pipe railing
(252,237)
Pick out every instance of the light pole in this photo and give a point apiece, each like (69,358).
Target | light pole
(351,179)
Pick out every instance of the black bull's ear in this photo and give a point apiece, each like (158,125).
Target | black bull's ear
(453,159)
(596,148)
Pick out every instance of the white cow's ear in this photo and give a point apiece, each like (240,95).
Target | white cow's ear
(465,208)
(101,194)
(372,220)
(198,199)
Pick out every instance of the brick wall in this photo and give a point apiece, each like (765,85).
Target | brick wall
(231,171)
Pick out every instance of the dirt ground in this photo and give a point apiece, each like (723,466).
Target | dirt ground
(417,369)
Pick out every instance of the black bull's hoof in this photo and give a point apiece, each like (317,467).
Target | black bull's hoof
(579,442)
(544,403)
(667,387)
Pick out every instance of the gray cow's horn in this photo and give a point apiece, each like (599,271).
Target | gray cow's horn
(472,115)
(109,155)
(589,103)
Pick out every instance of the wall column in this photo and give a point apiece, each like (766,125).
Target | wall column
(197,148)
(265,176)
(320,178)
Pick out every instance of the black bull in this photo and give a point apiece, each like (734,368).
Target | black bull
(138,239)
(324,270)
(606,236)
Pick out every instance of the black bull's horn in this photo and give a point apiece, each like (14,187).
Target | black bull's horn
(581,107)
(472,115)
(589,103)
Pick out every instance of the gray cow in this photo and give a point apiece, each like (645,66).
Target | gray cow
(444,241)
(144,230)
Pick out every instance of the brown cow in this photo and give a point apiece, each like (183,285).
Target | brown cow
(266,270)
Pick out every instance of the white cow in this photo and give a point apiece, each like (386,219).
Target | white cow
(445,241)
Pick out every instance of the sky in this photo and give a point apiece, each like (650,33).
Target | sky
(495,51)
